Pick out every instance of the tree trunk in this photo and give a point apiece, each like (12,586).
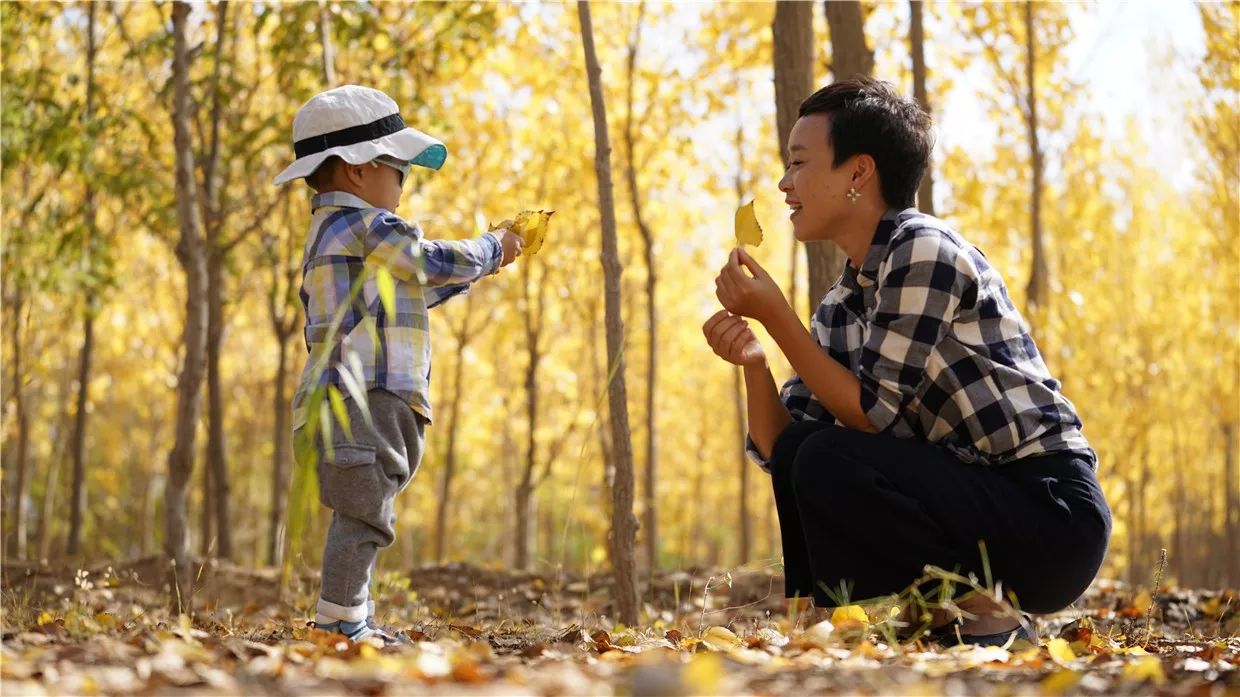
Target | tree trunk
(18,501)
(1038,272)
(623,522)
(449,460)
(650,529)
(280,461)
(191,255)
(328,54)
(917,47)
(77,504)
(220,487)
(746,528)
(1231,505)
(793,41)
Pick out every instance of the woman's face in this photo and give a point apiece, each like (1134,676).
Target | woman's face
(813,188)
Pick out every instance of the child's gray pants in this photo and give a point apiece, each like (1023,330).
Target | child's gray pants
(359,480)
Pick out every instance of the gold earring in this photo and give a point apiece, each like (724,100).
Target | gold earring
(853,195)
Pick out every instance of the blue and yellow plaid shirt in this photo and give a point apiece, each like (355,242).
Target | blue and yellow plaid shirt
(348,235)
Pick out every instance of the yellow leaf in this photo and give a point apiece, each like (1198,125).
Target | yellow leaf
(1060,682)
(532,227)
(720,638)
(387,292)
(1145,668)
(1060,651)
(1142,602)
(748,231)
(849,617)
(704,673)
(45,618)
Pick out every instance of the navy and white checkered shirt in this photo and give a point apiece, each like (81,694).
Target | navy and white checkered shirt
(942,354)
(347,235)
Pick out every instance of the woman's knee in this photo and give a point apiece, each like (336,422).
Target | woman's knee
(816,466)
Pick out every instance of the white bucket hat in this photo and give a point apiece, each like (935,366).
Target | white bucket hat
(358,124)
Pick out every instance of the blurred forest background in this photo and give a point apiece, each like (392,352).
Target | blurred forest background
(1115,222)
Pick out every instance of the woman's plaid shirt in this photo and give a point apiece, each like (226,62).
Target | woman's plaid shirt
(393,349)
(942,354)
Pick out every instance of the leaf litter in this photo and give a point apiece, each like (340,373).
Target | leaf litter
(489,631)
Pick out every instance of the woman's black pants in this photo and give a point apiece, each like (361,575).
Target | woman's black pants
(861,515)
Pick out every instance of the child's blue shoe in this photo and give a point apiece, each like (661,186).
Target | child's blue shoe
(365,631)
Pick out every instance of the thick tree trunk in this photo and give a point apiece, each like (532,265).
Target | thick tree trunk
(623,522)
(793,40)
(77,504)
(192,256)
(917,47)
(1038,271)
(650,498)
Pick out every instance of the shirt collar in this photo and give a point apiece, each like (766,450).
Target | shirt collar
(341,199)
(879,245)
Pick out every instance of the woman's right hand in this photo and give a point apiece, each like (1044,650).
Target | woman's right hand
(732,340)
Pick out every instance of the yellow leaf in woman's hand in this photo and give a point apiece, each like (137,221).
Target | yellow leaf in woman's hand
(748,231)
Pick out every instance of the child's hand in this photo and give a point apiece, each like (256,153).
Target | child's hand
(510,242)
(732,340)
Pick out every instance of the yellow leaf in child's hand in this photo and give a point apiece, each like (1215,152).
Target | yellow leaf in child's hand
(532,227)
(748,231)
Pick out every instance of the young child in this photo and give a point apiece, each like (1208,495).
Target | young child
(355,151)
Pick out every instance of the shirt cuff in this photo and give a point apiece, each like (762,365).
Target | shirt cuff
(751,450)
(880,404)
(496,250)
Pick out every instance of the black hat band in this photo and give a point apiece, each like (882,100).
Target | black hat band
(385,126)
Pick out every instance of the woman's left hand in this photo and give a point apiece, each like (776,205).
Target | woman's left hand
(754,294)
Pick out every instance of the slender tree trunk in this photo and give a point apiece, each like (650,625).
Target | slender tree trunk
(650,531)
(52,482)
(1231,505)
(280,460)
(1038,271)
(18,501)
(917,47)
(191,254)
(77,510)
(328,53)
(449,460)
(220,486)
(623,522)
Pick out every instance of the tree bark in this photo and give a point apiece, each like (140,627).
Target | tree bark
(328,47)
(77,504)
(917,47)
(1231,505)
(650,531)
(1038,271)
(449,460)
(623,522)
(18,501)
(220,486)
(191,255)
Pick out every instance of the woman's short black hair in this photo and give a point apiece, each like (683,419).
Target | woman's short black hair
(868,116)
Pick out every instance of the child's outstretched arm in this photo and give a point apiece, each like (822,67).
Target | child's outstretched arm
(399,247)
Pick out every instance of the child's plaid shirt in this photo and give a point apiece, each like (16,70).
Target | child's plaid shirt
(346,236)
(941,352)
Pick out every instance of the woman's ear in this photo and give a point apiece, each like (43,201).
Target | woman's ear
(864,169)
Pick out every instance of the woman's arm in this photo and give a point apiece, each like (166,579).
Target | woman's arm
(768,417)
(834,385)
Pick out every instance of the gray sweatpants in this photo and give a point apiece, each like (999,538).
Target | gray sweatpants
(359,480)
